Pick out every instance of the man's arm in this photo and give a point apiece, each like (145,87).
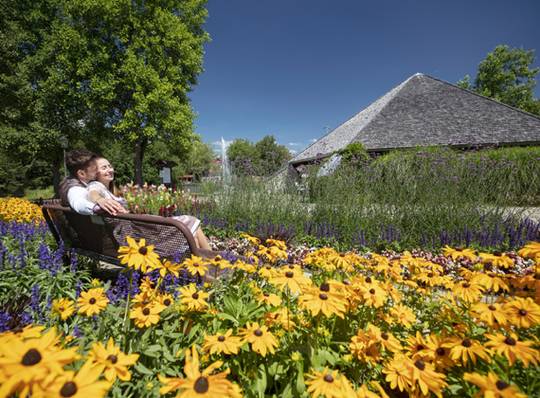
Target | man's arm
(78,201)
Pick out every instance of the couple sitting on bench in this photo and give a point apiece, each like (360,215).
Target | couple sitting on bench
(90,189)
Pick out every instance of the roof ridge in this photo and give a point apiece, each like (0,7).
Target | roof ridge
(403,83)
(480,95)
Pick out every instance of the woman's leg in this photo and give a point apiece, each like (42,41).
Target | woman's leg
(202,240)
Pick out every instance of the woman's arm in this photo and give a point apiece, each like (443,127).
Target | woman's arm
(94,195)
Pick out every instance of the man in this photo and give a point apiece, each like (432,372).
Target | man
(82,168)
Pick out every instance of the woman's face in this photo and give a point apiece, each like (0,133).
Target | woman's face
(105,172)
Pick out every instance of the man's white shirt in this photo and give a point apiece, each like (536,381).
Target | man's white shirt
(78,200)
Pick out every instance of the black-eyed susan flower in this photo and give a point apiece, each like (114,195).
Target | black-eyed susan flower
(364,348)
(269,298)
(197,383)
(530,250)
(195,265)
(281,316)
(513,349)
(402,314)
(417,346)
(438,353)
(145,315)
(222,343)
(138,255)
(329,384)
(467,291)
(165,299)
(500,260)
(169,268)
(491,385)
(493,314)
(398,375)
(192,298)
(323,299)
(373,295)
(466,350)
(523,312)
(82,384)
(261,339)
(290,277)
(459,253)
(92,302)
(25,362)
(490,281)
(251,239)
(63,308)
(425,378)
(112,361)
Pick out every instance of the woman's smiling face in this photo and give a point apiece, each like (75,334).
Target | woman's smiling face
(105,172)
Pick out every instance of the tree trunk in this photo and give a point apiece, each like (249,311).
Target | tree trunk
(140,146)
(57,175)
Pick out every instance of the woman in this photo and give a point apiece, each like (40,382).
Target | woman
(103,187)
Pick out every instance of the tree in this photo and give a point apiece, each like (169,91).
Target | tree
(271,156)
(101,71)
(242,157)
(199,160)
(506,75)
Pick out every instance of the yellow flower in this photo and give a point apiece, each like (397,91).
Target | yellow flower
(513,349)
(290,277)
(92,302)
(329,384)
(397,374)
(253,240)
(276,242)
(63,308)
(492,386)
(197,383)
(466,349)
(373,295)
(530,250)
(523,312)
(424,377)
(262,341)
(23,363)
(146,315)
(138,255)
(195,266)
(438,353)
(492,314)
(222,343)
(468,292)
(168,267)
(323,299)
(194,299)
(490,281)
(20,210)
(82,384)
(403,315)
(459,253)
(112,360)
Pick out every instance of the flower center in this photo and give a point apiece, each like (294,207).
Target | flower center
(328,378)
(143,250)
(384,336)
(492,307)
(510,341)
(92,301)
(325,287)
(167,302)
(61,309)
(346,282)
(221,339)
(501,385)
(146,311)
(258,333)
(195,264)
(195,296)
(289,274)
(69,389)
(368,280)
(420,347)
(440,351)
(112,358)
(265,294)
(420,364)
(430,275)
(323,296)
(372,291)
(201,385)
(522,312)
(31,358)
(466,343)
(466,285)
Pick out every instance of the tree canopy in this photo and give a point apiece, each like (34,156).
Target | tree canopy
(263,158)
(506,75)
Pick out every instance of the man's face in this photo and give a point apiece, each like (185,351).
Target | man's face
(88,174)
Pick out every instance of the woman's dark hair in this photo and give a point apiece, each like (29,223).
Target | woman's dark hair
(79,159)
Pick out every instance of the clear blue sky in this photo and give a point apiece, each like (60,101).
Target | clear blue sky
(297,68)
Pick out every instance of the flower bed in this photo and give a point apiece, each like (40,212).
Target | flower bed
(298,322)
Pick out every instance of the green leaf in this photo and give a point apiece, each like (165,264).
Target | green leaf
(143,369)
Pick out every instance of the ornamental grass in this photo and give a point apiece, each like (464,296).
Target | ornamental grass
(278,321)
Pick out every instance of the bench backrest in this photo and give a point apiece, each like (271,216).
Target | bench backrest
(99,236)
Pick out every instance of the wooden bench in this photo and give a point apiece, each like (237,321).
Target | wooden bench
(99,236)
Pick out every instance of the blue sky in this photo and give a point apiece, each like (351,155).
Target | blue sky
(297,68)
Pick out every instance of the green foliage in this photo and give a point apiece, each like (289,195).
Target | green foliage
(263,158)
(506,75)
(354,154)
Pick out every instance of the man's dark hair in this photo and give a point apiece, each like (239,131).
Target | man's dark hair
(79,159)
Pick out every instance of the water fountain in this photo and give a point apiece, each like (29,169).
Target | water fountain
(225,166)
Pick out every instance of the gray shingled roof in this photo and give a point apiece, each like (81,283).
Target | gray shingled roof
(424,111)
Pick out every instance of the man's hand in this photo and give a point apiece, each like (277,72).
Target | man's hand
(111,206)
